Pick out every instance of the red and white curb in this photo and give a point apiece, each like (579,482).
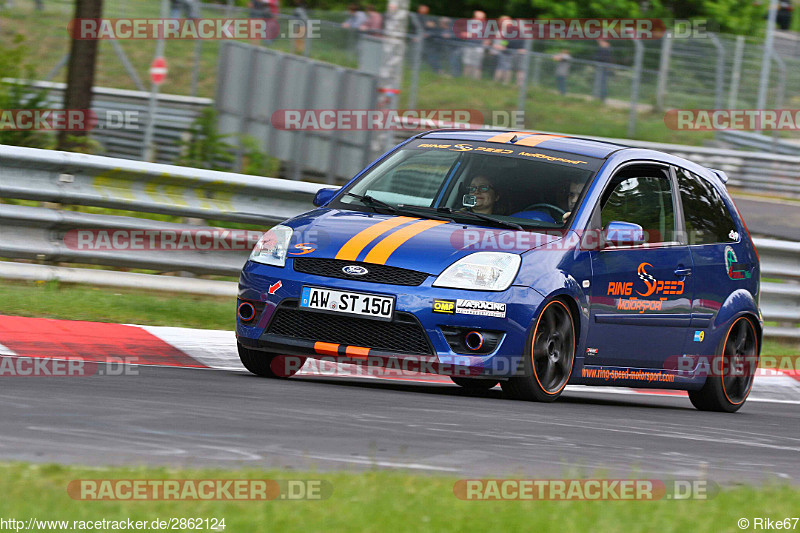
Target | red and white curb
(216,349)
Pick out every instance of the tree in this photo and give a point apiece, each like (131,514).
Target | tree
(80,73)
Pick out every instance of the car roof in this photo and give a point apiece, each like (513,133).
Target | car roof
(548,141)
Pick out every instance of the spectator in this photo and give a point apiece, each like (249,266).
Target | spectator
(187,7)
(562,60)
(356,19)
(450,46)
(430,33)
(502,72)
(373,22)
(473,52)
(517,53)
(601,57)
(298,15)
(267,10)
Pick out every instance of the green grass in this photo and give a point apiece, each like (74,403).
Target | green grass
(380,501)
(123,306)
(78,302)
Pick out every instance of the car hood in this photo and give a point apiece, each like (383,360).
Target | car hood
(401,241)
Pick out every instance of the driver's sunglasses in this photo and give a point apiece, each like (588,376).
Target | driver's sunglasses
(481,188)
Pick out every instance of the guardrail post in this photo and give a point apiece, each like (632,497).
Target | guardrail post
(780,96)
(663,70)
(418,38)
(637,76)
(738,53)
(148,154)
(719,78)
(522,94)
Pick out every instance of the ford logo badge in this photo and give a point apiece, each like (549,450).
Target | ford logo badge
(355,270)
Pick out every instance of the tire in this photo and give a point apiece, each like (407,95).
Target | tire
(727,393)
(474,384)
(269,365)
(549,357)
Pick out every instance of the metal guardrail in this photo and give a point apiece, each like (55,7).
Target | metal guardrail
(80,179)
(38,233)
(174,116)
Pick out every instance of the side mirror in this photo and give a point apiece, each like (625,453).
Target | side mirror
(623,233)
(324,196)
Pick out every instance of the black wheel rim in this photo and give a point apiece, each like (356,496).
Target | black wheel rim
(740,360)
(553,348)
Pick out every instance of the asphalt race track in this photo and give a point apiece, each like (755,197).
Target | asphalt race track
(203,417)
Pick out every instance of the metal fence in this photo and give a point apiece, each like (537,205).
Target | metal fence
(700,72)
(245,105)
(39,233)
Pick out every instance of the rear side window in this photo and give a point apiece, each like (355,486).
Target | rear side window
(707,218)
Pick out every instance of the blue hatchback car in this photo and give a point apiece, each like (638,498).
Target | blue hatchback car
(529,260)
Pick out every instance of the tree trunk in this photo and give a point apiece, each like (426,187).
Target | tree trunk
(80,74)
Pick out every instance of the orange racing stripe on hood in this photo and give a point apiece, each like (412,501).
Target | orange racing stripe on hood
(350,250)
(381,252)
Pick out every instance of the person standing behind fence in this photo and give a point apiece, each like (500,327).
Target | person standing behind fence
(356,17)
(502,72)
(268,10)
(562,60)
(602,57)
(473,51)
(374,21)
(187,7)
(450,46)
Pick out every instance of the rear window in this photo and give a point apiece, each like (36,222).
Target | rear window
(707,218)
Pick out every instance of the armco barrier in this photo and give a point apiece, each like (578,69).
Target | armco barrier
(37,233)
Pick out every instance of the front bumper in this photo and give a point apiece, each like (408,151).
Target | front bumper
(257,284)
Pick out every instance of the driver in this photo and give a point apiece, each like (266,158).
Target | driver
(486,195)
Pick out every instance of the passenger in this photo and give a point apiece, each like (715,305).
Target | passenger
(575,189)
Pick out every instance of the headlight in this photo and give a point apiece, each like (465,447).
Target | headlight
(272,246)
(488,271)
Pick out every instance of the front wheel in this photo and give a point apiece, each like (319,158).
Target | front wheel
(731,378)
(269,365)
(549,356)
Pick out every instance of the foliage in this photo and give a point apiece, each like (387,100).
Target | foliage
(18,96)
(207,148)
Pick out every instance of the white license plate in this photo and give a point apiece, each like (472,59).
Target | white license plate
(348,303)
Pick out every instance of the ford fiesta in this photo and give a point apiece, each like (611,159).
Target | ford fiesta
(529,260)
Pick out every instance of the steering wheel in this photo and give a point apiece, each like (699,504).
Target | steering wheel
(554,208)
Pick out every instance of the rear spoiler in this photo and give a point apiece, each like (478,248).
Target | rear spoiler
(720,174)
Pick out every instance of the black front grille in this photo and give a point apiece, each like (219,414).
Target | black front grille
(404,335)
(332,268)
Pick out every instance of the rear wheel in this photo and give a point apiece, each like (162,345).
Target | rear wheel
(269,365)
(474,384)
(731,379)
(549,356)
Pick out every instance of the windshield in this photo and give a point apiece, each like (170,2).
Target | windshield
(517,184)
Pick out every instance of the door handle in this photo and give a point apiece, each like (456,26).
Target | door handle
(681,272)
